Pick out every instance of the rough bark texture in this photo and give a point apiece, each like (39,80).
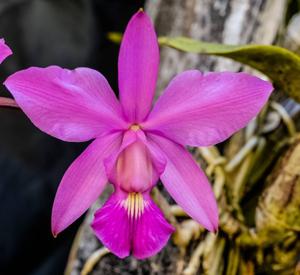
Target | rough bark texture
(224,21)
(292,38)
(236,249)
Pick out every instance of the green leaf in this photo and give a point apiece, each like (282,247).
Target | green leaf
(280,65)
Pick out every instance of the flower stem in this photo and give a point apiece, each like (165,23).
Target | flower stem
(8,102)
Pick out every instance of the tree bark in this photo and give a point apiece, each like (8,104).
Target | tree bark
(224,21)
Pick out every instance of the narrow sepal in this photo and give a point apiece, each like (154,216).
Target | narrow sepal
(138,67)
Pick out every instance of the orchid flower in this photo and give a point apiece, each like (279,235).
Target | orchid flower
(5,51)
(134,144)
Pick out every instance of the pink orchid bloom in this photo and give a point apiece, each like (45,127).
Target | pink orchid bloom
(133,146)
(5,51)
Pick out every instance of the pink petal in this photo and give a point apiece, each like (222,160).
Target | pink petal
(121,233)
(152,232)
(138,67)
(72,105)
(186,183)
(5,51)
(202,110)
(83,182)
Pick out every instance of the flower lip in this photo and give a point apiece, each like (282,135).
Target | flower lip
(134,205)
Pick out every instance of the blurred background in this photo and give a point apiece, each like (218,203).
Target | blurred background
(70,34)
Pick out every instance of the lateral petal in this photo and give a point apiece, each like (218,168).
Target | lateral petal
(72,105)
(204,109)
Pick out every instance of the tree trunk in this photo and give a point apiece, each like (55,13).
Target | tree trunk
(244,242)
(223,21)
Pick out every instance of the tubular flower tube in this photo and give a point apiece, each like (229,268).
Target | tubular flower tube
(134,144)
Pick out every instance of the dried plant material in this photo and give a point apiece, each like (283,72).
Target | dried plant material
(278,208)
(93,260)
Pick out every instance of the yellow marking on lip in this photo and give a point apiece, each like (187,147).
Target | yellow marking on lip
(134,205)
(135,127)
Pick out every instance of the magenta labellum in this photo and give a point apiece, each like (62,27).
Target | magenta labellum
(134,144)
